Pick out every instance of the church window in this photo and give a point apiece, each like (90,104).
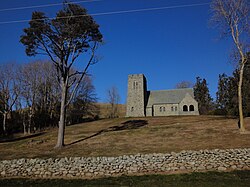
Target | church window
(191,108)
(185,108)
(164,109)
(176,108)
(160,109)
(172,108)
(135,85)
(132,109)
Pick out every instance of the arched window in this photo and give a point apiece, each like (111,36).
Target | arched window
(172,108)
(176,108)
(185,108)
(191,108)
(160,109)
(164,109)
(132,109)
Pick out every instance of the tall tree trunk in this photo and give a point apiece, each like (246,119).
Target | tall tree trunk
(30,120)
(61,130)
(4,122)
(51,118)
(242,126)
(23,114)
(24,128)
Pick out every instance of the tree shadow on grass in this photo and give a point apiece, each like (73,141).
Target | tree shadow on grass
(128,125)
(13,139)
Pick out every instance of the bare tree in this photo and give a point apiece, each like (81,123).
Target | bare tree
(31,80)
(232,16)
(83,105)
(184,84)
(113,100)
(64,38)
(48,94)
(39,88)
(9,89)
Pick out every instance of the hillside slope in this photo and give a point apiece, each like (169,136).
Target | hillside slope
(123,136)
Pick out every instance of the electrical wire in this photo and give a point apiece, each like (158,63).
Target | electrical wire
(47,5)
(112,12)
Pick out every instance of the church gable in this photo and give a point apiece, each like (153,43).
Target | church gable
(188,106)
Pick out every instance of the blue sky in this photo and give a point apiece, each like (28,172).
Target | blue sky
(168,46)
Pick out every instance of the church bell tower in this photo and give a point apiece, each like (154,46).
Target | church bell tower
(136,96)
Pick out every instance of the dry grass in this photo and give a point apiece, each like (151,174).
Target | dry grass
(160,135)
(105,108)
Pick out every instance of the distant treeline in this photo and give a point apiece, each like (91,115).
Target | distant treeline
(30,98)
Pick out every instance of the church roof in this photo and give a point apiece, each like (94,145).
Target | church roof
(168,96)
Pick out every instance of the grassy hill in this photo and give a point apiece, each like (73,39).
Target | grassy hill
(105,108)
(123,136)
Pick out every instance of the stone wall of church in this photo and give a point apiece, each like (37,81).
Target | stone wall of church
(136,95)
(149,111)
(166,109)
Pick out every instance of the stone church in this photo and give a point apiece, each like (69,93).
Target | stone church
(141,102)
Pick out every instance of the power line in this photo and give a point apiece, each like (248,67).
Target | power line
(47,5)
(113,12)
(148,9)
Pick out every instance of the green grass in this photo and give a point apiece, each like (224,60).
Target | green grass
(236,178)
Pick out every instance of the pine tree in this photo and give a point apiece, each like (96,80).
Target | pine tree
(232,106)
(246,87)
(222,95)
(229,100)
(63,39)
(202,95)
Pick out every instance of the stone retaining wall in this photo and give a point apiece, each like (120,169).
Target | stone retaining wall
(93,167)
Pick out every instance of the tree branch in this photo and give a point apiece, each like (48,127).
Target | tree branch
(83,73)
(47,50)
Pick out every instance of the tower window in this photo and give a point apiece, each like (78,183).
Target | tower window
(132,109)
(135,85)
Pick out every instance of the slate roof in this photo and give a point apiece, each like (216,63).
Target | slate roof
(168,96)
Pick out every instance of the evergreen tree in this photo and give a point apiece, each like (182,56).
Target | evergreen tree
(222,95)
(232,106)
(227,97)
(233,97)
(202,95)
(246,87)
